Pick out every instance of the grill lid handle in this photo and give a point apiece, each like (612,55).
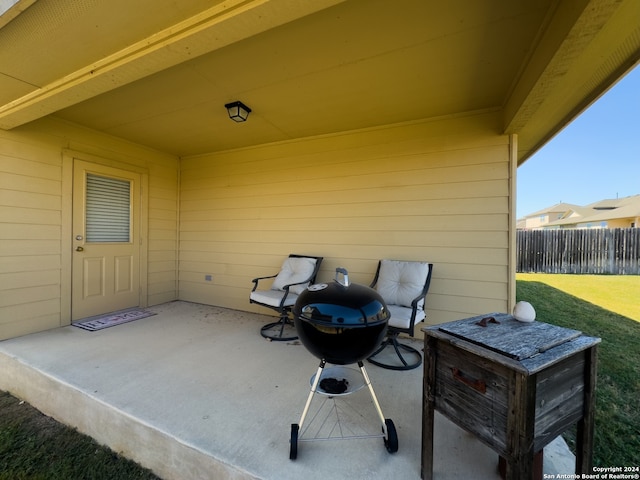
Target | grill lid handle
(345,276)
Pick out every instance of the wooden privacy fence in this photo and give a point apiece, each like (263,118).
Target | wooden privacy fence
(598,251)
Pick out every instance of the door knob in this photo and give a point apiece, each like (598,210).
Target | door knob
(79,249)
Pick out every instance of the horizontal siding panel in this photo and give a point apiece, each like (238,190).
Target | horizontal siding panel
(163,188)
(161,256)
(158,297)
(466,306)
(163,215)
(222,268)
(30,168)
(162,277)
(162,245)
(479,256)
(17,296)
(29,215)
(162,292)
(169,205)
(15,280)
(370,237)
(29,247)
(363,146)
(223,295)
(339,179)
(29,263)
(26,311)
(24,183)
(277,197)
(452,206)
(484,272)
(18,231)
(30,200)
(426,223)
(162,224)
(456,263)
(18,149)
(159,266)
(163,234)
(16,327)
(477,289)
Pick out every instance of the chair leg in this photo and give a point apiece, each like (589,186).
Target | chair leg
(413,355)
(281,331)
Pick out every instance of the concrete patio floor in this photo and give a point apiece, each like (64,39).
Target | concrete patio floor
(195,392)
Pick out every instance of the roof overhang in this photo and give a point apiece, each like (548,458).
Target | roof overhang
(158,72)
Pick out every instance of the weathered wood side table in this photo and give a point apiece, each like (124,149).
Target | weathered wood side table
(516,386)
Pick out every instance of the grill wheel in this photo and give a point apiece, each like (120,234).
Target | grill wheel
(391,442)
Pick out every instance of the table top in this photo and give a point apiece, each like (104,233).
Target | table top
(522,345)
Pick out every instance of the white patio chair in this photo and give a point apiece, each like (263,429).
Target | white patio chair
(403,285)
(297,272)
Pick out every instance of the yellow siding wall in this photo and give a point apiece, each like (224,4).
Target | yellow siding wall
(31,220)
(435,191)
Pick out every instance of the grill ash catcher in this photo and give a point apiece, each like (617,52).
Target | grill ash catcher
(341,324)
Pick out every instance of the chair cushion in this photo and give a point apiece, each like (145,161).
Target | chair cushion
(401,316)
(273,297)
(294,270)
(400,282)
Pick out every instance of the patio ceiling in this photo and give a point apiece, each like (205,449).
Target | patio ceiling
(158,72)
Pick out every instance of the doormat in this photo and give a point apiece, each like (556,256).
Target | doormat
(112,319)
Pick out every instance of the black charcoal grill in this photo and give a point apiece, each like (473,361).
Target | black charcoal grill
(341,324)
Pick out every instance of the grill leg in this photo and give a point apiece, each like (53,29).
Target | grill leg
(388,428)
(314,387)
(367,382)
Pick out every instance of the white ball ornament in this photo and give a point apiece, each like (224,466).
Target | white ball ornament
(524,312)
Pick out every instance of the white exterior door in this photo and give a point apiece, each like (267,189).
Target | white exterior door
(106,240)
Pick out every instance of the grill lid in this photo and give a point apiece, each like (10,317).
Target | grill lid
(341,304)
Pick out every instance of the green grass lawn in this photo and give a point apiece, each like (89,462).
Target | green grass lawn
(36,447)
(616,293)
(606,307)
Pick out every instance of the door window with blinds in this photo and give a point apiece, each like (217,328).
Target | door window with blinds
(108,210)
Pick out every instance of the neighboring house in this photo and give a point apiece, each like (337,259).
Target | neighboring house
(544,217)
(610,213)
(378,130)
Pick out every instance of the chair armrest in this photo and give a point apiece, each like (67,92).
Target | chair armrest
(422,296)
(286,287)
(256,280)
(414,303)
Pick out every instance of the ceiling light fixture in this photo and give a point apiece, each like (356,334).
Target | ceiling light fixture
(238,111)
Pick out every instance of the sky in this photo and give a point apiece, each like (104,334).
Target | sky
(596,156)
